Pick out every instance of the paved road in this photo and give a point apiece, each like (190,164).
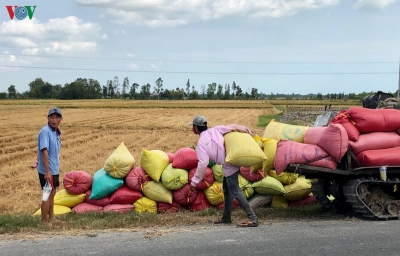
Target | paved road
(316,237)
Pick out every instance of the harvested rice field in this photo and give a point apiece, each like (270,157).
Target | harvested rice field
(91,130)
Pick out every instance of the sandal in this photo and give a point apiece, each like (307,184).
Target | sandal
(220,222)
(248,224)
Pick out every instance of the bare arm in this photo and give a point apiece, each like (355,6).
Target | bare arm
(237,128)
(45,159)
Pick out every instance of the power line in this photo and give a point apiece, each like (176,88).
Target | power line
(199,61)
(208,73)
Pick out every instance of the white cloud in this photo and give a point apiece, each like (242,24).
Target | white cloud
(8,61)
(133,66)
(130,55)
(156,65)
(372,5)
(104,36)
(57,35)
(167,13)
(120,32)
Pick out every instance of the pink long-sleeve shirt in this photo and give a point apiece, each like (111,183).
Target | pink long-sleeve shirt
(211,146)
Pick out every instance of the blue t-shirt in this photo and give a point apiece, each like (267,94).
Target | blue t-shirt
(50,139)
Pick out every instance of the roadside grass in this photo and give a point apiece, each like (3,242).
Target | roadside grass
(24,223)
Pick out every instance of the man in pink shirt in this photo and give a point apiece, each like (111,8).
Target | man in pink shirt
(211,146)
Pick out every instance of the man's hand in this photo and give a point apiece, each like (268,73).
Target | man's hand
(191,188)
(249,132)
(47,176)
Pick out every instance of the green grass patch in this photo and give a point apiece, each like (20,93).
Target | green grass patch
(17,223)
(24,223)
(263,120)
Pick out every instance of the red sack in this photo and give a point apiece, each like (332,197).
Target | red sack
(291,152)
(252,176)
(310,199)
(124,195)
(86,208)
(379,157)
(136,178)
(99,202)
(77,182)
(200,203)
(167,207)
(185,158)
(221,206)
(119,208)
(375,140)
(184,196)
(333,139)
(170,157)
(375,120)
(344,119)
(207,180)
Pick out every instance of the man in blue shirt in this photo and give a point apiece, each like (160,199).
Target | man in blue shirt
(49,144)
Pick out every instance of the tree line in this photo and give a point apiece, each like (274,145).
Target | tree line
(83,88)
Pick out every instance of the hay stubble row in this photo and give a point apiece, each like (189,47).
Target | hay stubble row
(89,136)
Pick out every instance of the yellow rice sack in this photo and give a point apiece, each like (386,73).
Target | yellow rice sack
(218,172)
(242,150)
(174,178)
(154,162)
(279,201)
(157,192)
(286,178)
(215,193)
(282,131)
(245,186)
(257,167)
(64,198)
(297,190)
(120,162)
(58,210)
(308,181)
(268,186)
(145,204)
(259,141)
(270,145)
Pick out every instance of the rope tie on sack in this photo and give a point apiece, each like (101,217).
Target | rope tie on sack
(72,181)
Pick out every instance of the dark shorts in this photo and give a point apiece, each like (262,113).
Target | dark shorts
(54,181)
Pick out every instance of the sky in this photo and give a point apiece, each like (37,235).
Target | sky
(276,46)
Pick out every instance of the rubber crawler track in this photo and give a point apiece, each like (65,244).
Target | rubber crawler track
(350,191)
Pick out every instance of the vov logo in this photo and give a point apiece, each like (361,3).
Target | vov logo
(20,12)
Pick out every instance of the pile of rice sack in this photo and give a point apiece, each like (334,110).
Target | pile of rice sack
(161,182)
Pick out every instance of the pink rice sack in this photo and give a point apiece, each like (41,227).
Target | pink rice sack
(207,180)
(119,208)
(99,202)
(375,120)
(333,139)
(185,158)
(200,203)
(375,140)
(86,208)
(125,195)
(163,207)
(77,182)
(137,178)
(344,119)
(291,152)
(379,157)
